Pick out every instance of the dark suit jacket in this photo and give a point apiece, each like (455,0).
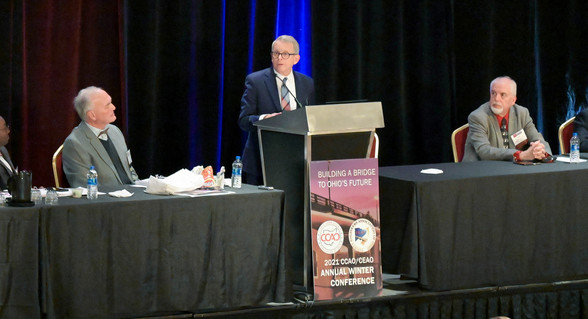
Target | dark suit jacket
(83,149)
(581,127)
(4,173)
(261,97)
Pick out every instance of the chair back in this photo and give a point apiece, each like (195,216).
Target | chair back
(56,163)
(564,134)
(375,146)
(458,140)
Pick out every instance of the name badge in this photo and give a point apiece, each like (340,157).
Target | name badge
(519,139)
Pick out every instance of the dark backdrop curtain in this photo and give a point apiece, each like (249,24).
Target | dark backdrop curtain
(431,63)
(180,67)
(396,52)
(538,43)
(186,64)
(50,50)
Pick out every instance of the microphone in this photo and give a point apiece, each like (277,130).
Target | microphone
(298,104)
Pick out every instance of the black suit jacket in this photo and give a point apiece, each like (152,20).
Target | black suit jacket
(261,97)
(4,173)
(581,127)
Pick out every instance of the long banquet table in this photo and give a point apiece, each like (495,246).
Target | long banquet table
(485,223)
(145,255)
(19,263)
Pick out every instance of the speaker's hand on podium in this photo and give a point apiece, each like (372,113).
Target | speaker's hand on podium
(272,115)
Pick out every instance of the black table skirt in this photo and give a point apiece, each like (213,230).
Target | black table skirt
(19,263)
(485,223)
(144,255)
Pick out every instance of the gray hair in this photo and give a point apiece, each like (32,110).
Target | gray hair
(513,84)
(82,103)
(288,39)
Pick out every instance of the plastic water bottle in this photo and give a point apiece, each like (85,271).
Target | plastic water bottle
(236,173)
(92,183)
(575,149)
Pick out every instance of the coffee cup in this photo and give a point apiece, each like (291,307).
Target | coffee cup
(77,192)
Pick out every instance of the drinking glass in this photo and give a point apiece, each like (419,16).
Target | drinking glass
(36,196)
(51,197)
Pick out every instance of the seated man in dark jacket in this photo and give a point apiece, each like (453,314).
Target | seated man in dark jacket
(6,167)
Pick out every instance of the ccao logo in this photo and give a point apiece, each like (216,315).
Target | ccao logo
(330,237)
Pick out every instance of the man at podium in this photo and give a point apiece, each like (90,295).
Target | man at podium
(268,93)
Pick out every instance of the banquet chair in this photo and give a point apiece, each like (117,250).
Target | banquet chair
(458,140)
(375,146)
(564,134)
(56,163)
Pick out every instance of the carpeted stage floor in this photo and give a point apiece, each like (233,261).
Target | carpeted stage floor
(404,299)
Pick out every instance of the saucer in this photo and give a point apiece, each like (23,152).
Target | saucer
(9,202)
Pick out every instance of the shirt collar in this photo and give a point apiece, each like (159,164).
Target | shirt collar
(281,77)
(97,132)
(499,118)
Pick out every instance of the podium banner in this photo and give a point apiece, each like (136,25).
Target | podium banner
(345,218)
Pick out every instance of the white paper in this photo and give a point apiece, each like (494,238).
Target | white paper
(141,183)
(433,171)
(180,181)
(121,193)
(205,192)
(59,193)
(566,159)
(66,193)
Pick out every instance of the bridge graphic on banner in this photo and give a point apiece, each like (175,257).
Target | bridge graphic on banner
(322,204)
(345,229)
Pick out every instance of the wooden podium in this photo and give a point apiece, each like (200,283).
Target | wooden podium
(290,141)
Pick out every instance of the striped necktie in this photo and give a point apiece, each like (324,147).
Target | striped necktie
(285,100)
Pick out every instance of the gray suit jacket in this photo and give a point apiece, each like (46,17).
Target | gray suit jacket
(485,139)
(82,149)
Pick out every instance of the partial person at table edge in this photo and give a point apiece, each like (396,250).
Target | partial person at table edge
(96,142)
(581,127)
(7,168)
(502,130)
(266,96)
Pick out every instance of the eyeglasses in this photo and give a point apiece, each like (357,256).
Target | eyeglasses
(284,55)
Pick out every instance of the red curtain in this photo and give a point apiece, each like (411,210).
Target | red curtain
(58,48)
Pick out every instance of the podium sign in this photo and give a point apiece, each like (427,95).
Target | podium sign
(345,217)
(289,142)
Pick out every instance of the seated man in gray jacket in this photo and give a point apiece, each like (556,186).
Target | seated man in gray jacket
(501,130)
(96,142)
